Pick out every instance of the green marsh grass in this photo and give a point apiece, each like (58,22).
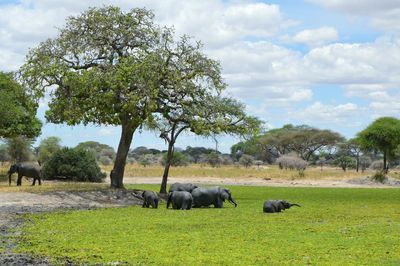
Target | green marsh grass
(333,227)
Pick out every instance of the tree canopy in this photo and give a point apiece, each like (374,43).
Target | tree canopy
(17,110)
(382,135)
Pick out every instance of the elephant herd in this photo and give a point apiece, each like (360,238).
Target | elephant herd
(184,196)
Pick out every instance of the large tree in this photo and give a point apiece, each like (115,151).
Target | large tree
(382,135)
(47,148)
(102,68)
(17,110)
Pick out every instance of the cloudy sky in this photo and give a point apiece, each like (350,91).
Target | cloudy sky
(331,64)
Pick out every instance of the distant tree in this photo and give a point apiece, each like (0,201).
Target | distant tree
(47,148)
(4,157)
(17,110)
(213,159)
(303,140)
(178,159)
(19,148)
(364,162)
(382,135)
(246,160)
(345,162)
(196,153)
(99,150)
(138,152)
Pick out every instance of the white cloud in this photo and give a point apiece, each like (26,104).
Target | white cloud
(316,37)
(383,14)
(329,114)
(107,131)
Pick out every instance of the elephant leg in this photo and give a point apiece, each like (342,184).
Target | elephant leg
(19,180)
(34,181)
(40,181)
(144,203)
(156,203)
(218,203)
(184,205)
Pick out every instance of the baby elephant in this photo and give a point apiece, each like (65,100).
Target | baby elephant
(272,206)
(150,199)
(181,200)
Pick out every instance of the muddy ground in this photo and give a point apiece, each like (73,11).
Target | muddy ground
(14,204)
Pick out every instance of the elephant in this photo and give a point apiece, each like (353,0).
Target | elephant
(27,170)
(181,200)
(271,206)
(150,199)
(204,197)
(182,187)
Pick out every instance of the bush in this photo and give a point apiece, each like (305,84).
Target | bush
(377,165)
(379,177)
(73,164)
(213,159)
(345,162)
(178,159)
(246,160)
(365,162)
(291,162)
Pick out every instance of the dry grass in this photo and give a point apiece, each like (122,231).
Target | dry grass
(270,171)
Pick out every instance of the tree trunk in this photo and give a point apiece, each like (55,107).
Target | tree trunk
(168,161)
(385,170)
(117,173)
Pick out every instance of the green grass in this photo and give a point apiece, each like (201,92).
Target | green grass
(333,227)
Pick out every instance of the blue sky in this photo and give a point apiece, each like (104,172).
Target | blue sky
(331,64)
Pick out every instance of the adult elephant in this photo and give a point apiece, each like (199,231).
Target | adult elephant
(181,200)
(27,170)
(204,197)
(182,187)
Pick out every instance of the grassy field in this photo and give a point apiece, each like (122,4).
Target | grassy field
(333,227)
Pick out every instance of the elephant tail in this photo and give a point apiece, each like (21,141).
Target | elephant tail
(294,204)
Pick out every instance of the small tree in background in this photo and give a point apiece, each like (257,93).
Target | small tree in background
(4,157)
(382,135)
(178,159)
(47,148)
(365,162)
(213,159)
(19,149)
(345,162)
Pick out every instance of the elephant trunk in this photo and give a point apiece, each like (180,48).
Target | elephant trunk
(294,204)
(231,200)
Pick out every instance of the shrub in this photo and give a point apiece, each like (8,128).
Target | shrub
(345,162)
(213,159)
(365,162)
(246,160)
(379,176)
(291,162)
(178,159)
(73,164)
(377,165)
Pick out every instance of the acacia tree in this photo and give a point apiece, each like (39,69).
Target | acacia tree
(382,135)
(191,85)
(102,68)
(17,110)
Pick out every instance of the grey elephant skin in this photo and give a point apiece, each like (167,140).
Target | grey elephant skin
(271,206)
(204,197)
(27,170)
(150,198)
(181,200)
(182,187)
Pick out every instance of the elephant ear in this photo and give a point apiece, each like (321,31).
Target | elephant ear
(224,194)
